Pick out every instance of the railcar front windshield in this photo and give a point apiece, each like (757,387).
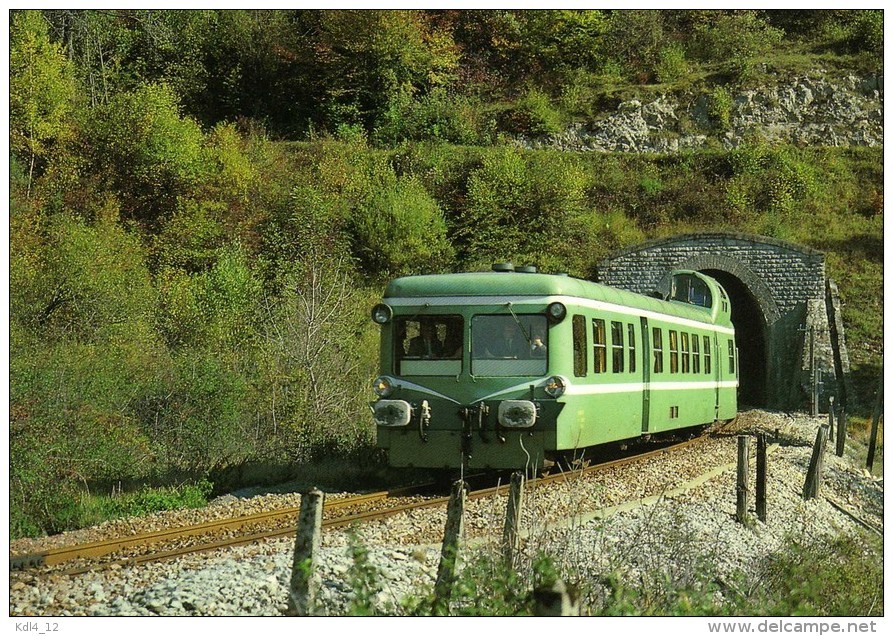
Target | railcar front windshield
(514,345)
(428,345)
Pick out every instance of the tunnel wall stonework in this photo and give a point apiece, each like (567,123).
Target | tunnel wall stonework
(786,281)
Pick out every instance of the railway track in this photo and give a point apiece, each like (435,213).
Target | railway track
(227,533)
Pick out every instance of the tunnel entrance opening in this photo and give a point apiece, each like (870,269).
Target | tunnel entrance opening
(750,334)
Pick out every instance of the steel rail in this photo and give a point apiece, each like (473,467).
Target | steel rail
(103,548)
(95,549)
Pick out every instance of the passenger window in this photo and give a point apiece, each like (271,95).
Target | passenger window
(580,362)
(599,345)
(731,357)
(685,353)
(658,348)
(631,330)
(695,353)
(617,347)
(707,358)
(674,352)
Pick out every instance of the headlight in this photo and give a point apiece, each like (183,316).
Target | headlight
(382,386)
(517,413)
(556,312)
(392,413)
(381,313)
(556,386)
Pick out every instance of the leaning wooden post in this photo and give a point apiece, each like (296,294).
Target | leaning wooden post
(741,490)
(511,533)
(841,432)
(875,420)
(303,584)
(557,599)
(814,475)
(761,477)
(831,418)
(449,554)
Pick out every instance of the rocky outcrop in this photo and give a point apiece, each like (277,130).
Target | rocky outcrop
(806,111)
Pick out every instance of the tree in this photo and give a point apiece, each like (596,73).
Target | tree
(149,153)
(368,57)
(398,228)
(524,207)
(41,89)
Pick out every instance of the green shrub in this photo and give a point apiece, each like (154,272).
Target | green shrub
(521,207)
(398,228)
(486,586)
(318,354)
(91,283)
(532,115)
(41,90)
(842,578)
(719,108)
(148,153)
(868,32)
(364,579)
(436,116)
(736,37)
(73,422)
(97,508)
(212,308)
(671,64)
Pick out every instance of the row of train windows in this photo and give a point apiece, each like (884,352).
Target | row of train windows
(683,348)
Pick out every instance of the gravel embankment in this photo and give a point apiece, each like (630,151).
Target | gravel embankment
(662,519)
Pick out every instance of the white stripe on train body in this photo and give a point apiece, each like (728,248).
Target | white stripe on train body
(440,301)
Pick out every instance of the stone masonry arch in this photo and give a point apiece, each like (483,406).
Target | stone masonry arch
(782,306)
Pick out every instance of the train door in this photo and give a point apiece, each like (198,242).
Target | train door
(646,374)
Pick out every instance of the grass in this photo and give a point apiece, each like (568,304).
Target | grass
(93,509)
(841,578)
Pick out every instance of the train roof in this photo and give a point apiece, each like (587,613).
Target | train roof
(538,285)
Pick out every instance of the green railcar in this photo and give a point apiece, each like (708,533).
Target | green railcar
(509,368)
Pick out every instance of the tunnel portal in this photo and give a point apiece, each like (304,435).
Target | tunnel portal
(783,308)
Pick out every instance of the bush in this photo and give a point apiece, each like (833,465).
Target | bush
(196,418)
(436,116)
(843,578)
(398,228)
(213,308)
(96,508)
(671,64)
(148,153)
(486,586)
(72,422)
(736,38)
(719,108)
(533,115)
(318,354)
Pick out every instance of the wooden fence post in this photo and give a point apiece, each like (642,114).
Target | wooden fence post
(557,599)
(761,477)
(303,583)
(831,418)
(511,533)
(741,489)
(814,475)
(875,420)
(841,432)
(449,554)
